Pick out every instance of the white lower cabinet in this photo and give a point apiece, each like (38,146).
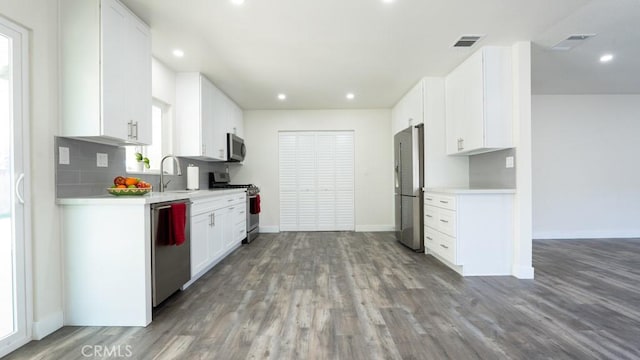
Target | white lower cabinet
(471,231)
(214,230)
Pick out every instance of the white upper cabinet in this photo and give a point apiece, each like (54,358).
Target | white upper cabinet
(105,72)
(479,103)
(409,111)
(204,116)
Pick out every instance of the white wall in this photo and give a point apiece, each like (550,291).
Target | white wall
(373,159)
(40,17)
(586,167)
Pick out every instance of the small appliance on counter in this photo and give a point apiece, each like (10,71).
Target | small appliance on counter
(193,177)
(220,180)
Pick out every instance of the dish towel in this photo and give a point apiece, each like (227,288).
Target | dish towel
(255,205)
(178,222)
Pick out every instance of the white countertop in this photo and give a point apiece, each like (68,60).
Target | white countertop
(151,198)
(456,191)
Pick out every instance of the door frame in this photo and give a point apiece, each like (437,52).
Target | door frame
(21,44)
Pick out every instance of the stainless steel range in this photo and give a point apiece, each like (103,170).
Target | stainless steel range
(220,180)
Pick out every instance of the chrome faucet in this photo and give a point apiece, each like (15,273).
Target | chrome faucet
(163,186)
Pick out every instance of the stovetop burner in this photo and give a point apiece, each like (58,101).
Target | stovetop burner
(219,180)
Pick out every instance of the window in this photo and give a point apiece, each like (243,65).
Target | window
(159,142)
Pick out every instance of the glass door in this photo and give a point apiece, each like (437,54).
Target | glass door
(13,195)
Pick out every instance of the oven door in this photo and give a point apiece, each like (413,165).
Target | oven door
(236,150)
(253,220)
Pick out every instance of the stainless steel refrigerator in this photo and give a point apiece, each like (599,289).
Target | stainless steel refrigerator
(409,183)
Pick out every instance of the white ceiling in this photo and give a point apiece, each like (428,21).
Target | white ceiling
(316,51)
(579,71)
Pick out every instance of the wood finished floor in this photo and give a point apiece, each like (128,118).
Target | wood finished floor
(364,296)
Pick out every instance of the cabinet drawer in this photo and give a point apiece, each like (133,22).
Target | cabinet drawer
(430,237)
(446,222)
(440,200)
(201,206)
(445,246)
(239,231)
(431,216)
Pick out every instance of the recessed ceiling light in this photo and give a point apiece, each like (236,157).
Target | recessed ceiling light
(387,1)
(178,53)
(237,2)
(606,58)
(282,97)
(350,96)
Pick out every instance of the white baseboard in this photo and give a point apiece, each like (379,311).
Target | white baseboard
(269,229)
(374,228)
(589,234)
(523,272)
(47,325)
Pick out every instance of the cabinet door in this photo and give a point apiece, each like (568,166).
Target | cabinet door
(208,117)
(413,109)
(216,235)
(225,221)
(471,127)
(139,81)
(200,253)
(218,139)
(237,124)
(113,32)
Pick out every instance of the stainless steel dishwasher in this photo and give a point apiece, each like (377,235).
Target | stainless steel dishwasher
(170,264)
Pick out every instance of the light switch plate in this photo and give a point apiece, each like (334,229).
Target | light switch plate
(63,155)
(509,162)
(102,160)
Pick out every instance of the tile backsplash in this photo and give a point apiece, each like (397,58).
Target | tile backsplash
(82,177)
(488,171)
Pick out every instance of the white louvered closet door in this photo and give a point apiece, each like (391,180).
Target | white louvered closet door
(326,200)
(344,182)
(288,182)
(306,176)
(316,181)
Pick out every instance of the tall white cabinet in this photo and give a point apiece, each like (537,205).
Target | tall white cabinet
(316,181)
(479,98)
(105,63)
(204,116)
(409,111)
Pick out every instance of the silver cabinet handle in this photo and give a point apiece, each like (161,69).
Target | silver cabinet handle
(444,246)
(135,134)
(129,129)
(460,144)
(429,216)
(429,199)
(444,221)
(230,200)
(18,182)
(204,149)
(221,153)
(241,231)
(428,238)
(444,202)
(231,208)
(241,212)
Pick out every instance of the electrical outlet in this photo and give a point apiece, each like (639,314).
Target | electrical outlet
(63,155)
(509,162)
(102,160)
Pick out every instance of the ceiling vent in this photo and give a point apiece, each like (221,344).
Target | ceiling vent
(571,42)
(467,41)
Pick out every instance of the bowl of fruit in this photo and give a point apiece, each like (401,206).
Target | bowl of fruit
(129,186)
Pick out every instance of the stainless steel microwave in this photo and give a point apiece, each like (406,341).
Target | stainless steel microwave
(236,150)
